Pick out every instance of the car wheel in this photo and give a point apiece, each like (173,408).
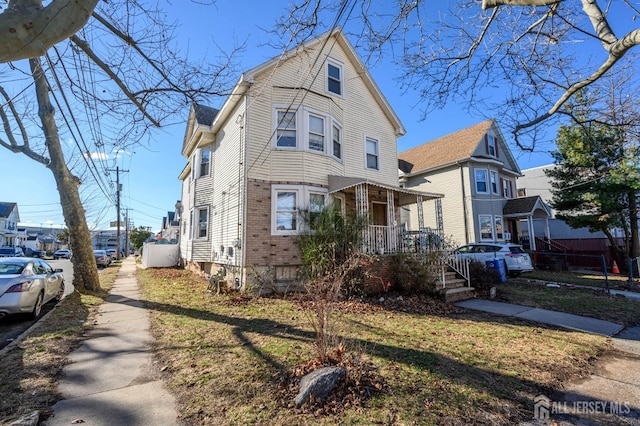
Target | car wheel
(60,292)
(37,308)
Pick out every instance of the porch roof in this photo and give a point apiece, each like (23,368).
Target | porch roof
(406,196)
(526,206)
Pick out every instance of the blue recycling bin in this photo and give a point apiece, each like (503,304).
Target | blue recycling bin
(498,265)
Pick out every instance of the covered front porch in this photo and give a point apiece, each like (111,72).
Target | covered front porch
(519,214)
(380,204)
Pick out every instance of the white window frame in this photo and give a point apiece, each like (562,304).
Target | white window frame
(201,153)
(486,218)
(340,80)
(311,114)
(494,181)
(286,109)
(485,172)
(496,220)
(303,196)
(506,188)
(196,221)
(491,145)
(367,154)
(335,125)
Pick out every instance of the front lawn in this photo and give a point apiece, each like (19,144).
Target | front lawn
(227,358)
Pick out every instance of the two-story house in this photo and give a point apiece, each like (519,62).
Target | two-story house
(307,129)
(476,171)
(9,218)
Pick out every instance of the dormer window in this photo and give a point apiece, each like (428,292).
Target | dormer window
(334,78)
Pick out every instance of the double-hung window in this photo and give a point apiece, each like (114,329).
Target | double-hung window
(316,133)
(286,203)
(337,141)
(286,135)
(205,162)
(372,152)
(286,214)
(494,182)
(492,149)
(334,78)
(202,218)
(486,227)
(481,181)
(506,188)
(499,231)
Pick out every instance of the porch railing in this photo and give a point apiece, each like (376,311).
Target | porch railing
(389,240)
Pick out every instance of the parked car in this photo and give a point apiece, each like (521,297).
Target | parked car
(26,284)
(62,254)
(102,258)
(111,253)
(35,253)
(11,252)
(515,258)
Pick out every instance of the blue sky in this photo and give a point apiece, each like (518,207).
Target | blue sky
(151,186)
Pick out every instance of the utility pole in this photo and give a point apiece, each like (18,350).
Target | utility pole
(126,232)
(118,189)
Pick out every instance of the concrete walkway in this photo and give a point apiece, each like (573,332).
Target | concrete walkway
(110,379)
(545,316)
(608,396)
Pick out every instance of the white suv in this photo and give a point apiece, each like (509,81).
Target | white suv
(516,260)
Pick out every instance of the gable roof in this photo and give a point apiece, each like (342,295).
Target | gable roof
(446,149)
(199,115)
(525,206)
(6,209)
(248,77)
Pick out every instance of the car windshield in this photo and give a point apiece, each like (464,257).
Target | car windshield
(11,268)
(516,249)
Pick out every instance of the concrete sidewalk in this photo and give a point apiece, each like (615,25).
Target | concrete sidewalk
(545,316)
(110,379)
(615,381)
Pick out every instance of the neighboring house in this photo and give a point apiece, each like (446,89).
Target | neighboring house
(305,130)
(9,218)
(476,171)
(170,228)
(534,182)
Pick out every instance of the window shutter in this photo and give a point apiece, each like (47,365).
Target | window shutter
(486,143)
(496,142)
(502,186)
(510,189)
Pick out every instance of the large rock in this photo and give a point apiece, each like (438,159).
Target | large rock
(319,383)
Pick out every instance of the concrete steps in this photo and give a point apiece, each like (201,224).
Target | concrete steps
(455,289)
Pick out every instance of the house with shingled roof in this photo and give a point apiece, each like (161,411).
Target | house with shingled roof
(476,171)
(307,129)
(9,218)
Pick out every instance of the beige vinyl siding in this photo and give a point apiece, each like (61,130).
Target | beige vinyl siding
(446,181)
(227,194)
(364,118)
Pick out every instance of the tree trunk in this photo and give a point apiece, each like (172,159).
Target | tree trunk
(85,271)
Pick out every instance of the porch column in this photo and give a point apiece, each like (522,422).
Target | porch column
(546,228)
(439,220)
(532,236)
(391,223)
(420,212)
(362,210)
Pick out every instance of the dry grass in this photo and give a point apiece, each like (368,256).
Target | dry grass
(228,358)
(28,372)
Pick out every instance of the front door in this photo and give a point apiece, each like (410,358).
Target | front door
(379,214)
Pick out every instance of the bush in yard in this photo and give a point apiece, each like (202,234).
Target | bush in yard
(415,273)
(483,278)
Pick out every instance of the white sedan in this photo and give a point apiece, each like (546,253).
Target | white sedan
(516,260)
(26,284)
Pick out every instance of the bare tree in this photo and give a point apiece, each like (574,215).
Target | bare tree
(531,55)
(111,83)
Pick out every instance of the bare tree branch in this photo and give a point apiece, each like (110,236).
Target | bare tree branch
(27,29)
